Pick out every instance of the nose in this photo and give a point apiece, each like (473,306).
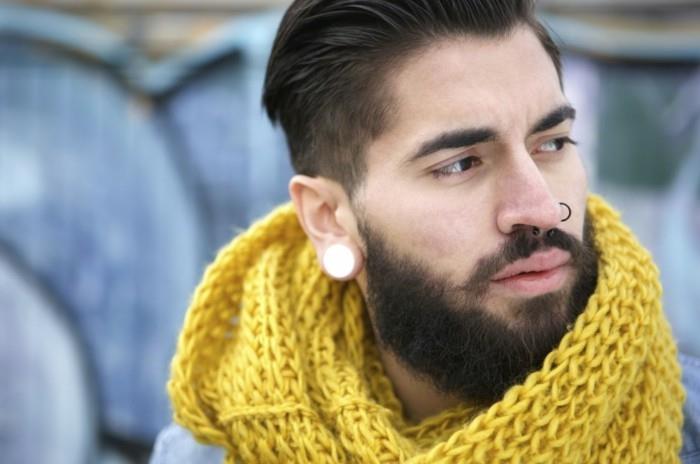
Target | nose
(525,199)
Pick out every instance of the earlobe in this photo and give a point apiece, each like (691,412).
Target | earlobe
(320,204)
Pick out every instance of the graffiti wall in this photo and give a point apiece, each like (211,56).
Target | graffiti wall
(121,176)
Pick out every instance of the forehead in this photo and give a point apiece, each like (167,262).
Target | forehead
(505,83)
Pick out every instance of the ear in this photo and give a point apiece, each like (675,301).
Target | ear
(325,213)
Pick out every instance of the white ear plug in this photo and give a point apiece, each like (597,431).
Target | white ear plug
(338,261)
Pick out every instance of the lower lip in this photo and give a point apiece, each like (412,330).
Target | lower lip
(535,283)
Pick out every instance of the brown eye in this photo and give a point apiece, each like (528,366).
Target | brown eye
(458,166)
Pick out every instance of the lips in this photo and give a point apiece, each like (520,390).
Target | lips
(541,262)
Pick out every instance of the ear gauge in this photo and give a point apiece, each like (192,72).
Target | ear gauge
(339,262)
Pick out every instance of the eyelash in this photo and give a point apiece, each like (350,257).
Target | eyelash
(444,171)
(562,140)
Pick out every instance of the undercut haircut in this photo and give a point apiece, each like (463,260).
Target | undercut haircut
(326,81)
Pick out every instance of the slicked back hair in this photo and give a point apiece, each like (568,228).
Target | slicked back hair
(326,77)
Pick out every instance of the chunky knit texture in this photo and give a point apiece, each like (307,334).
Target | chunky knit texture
(276,363)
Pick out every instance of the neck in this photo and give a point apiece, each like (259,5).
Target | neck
(420,399)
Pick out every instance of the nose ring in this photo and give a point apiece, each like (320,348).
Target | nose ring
(536,230)
(568,209)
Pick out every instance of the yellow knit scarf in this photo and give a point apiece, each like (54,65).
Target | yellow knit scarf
(276,364)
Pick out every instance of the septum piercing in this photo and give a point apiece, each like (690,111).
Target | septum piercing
(536,232)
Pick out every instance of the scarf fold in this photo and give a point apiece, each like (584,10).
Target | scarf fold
(276,363)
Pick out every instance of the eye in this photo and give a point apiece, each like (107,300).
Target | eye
(457,167)
(555,145)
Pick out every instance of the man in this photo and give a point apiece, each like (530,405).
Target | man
(442,287)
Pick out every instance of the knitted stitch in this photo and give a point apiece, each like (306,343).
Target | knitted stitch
(276,363)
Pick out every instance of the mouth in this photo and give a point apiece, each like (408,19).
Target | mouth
(541,273)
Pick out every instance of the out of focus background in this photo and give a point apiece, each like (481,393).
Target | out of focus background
(133,146)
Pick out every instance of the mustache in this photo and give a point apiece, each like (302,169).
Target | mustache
(521,245)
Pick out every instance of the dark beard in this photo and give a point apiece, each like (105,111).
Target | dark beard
(445,335)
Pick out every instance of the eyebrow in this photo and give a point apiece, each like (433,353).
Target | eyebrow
(463,138)
(460,138)
(554,118)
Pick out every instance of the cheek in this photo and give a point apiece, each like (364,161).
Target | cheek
(439,237)
(435,231)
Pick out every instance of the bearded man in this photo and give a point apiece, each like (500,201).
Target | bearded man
(442,287)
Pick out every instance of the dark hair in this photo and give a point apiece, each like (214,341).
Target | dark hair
(325,77)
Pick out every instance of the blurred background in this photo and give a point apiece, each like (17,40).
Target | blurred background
(133,146)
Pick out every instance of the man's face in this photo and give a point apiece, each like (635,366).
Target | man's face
(475,157)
